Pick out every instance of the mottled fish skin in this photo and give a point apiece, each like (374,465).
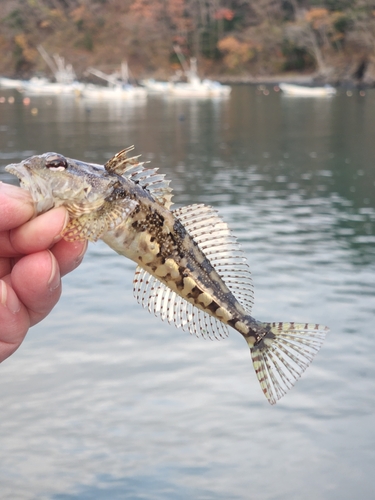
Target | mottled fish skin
(153,238)
(127,207)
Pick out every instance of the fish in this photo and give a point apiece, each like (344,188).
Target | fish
(190,269)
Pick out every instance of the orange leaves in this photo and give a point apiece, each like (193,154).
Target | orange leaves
(322,19)
(29,54)
(227,14)
(316,14)
(236,53)
(146,9)
(176,7)
(319,18)
(78,14)
(166,15)
(177,15)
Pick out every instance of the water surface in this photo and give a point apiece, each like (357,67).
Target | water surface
(104,400)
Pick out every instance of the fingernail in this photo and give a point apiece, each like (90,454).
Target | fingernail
(66,220)
(82,254)
(65,223)
(8,298)
(55,279)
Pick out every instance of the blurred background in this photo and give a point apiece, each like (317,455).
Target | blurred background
(103,400)
(233,39)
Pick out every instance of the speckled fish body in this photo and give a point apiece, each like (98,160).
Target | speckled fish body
(190,269)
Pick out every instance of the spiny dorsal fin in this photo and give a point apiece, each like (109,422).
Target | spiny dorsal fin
(159,299)
(119,163)
(135,171)
(221,248)
(283,358)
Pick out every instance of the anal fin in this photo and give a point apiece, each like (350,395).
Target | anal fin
(159,299)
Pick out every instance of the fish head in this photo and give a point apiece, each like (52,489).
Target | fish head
(54,180)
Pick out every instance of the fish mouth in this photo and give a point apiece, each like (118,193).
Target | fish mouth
(37,186)
(21,171)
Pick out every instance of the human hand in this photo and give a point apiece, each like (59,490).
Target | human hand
(33,257)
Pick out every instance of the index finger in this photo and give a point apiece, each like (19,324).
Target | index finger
(16,206)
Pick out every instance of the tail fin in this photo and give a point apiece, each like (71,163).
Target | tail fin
(284,355)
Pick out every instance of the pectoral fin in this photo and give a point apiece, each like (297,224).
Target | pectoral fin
(92,226)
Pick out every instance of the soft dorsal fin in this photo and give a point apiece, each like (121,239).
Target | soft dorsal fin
(221,248)
(149,179)
(162,301)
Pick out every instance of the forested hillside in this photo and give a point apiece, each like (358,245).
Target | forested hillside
(232,39)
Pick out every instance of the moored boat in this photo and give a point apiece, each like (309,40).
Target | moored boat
(118,86)
(119,92)
(43,86)
(192,87)
(11,83)
(64,76)
(303,91)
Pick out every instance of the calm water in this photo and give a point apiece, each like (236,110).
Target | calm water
(105,401)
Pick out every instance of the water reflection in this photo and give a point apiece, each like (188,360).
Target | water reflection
(105,401)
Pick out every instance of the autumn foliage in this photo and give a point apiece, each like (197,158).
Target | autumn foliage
(236,53)
(229,37)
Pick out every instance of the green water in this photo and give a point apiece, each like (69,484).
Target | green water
(104,400)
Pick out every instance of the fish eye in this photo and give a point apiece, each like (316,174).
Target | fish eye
(56,162)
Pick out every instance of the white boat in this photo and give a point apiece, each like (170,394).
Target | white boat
(192,87)
(303,91)
(11,83)
(156,87)
(195,87)
(64,74)
(118,87)
(118,92)
(43,86)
